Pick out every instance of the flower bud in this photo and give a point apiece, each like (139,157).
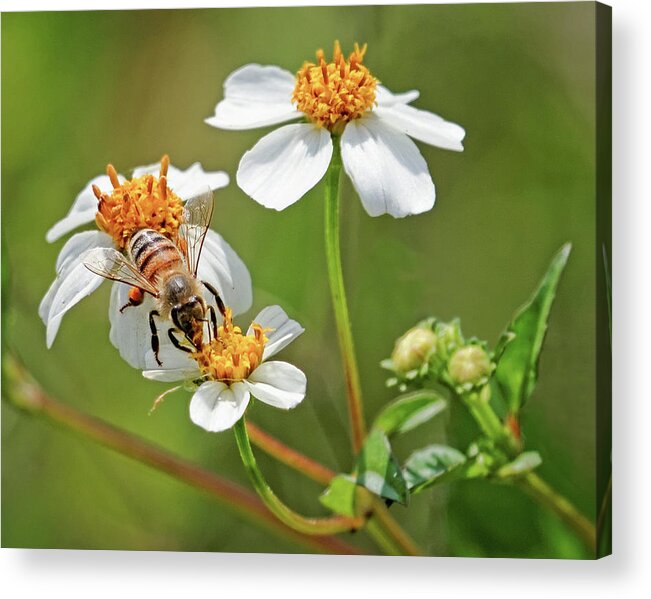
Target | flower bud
(449,336)
(469,365)
(413,349)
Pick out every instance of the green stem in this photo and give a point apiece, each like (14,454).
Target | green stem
(545,495)
(392,530)
(384,541)
(339,303)
(489,422)
(492,427)
(310,526)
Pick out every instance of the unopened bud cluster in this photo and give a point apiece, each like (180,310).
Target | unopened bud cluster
(437,351)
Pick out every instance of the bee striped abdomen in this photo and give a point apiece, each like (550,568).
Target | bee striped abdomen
(154,254)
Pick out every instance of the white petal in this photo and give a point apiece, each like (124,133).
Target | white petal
(74,219)
(46,302)
(234,115)
(285,330)
(384,97)
(424,126)
(76,282)
(278,384)
(194,180)
(260,83)
(83,209)
(387,169)
(80,243)
(68,257)
(220,266)
(131,335)
(255,96)
(189,182)
(130,332)
(285,164)
(170,375)
(216,407)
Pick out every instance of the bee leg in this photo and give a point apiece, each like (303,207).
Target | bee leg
(213,321)
(218,300)
(187,334)
(193,342)
(175,317)
(176,343)
(136,297)
(155,345)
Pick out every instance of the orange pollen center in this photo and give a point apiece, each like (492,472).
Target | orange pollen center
(231,356)
(142,203)
(333,93)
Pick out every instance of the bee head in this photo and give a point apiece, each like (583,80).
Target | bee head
(188,315)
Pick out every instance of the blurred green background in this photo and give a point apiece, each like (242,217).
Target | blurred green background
(80,90)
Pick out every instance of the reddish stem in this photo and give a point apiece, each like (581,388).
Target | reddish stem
(25,393)
(288,456)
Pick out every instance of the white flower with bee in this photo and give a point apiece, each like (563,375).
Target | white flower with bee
(231,367)
(121,208)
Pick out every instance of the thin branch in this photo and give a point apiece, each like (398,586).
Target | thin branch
(24,392)
(562,507)
(288,456)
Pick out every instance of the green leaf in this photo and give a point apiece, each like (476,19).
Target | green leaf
(517,368)
(378,470)
(430,465)
(502,343)
(524,463)
(408,412)
(341,495)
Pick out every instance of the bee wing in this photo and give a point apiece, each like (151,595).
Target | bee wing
(197,213)
(111,264)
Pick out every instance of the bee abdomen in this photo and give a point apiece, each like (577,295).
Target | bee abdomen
(153,253)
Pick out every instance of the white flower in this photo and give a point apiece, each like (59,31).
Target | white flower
(342,98)
(235,367)
(219,264)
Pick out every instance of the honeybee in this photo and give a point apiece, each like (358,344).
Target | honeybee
(166,270)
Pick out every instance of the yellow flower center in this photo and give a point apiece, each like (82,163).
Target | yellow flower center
(231,356)
(332,94)
(141,203)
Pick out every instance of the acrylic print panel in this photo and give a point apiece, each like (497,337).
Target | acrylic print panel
(367,285)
